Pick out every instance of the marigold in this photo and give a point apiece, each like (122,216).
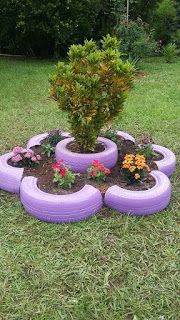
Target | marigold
(140,167)
(137,176)
(136,167)
(132,168)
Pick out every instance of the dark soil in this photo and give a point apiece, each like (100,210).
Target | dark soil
(44,173)
(157,157)
(73,147)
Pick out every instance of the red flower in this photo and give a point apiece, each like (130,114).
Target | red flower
(60,161)
(93,173)
(63,172)
(107,171)
(95,163)
(56,166)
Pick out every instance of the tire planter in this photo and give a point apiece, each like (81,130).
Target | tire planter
(141,202)
(80,162)
(59,208)
(10,177)
(86,202)
(125,135)
(36,140)
(168,163)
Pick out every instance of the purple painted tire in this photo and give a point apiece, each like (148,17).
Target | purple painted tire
(10,177)
(36,140)
(141,202)
(80,162)
(59,208)
(125,135)
(168,163)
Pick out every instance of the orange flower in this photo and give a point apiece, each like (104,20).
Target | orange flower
(133,162)
(140,167)
(132,168)
(137,176)
(125,166)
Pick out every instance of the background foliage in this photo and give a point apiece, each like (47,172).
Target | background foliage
(48,28)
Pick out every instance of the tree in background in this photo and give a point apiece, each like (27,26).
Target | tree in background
(176,36)
(48,28)
(136,39)
(43,28)
(143,9)
(165,21)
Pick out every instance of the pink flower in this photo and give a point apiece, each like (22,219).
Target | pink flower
(34,159)
(30,151)
(38,157)
(60,161)
(16,158)
(17,150)
(27,155)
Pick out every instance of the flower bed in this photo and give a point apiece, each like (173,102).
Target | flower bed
(43,197)
(64,178)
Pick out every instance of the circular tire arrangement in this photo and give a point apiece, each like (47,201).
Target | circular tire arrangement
(59,208)
(141,202)
(80,162)
(88,201)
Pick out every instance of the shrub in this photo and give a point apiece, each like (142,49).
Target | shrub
(136,42)
(25,157)
(97,171)
(169,52)
(92,88)
(165,21)
(63,176)
(134,167)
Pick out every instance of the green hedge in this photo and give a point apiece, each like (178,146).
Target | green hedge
(46,28)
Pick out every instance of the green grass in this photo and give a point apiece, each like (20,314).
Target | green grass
(106,268)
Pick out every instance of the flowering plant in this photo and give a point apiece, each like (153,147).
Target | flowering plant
(63,176)
(134,167)
(24,157)
(97,171)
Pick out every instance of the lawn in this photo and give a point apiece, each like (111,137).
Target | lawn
(114,267)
